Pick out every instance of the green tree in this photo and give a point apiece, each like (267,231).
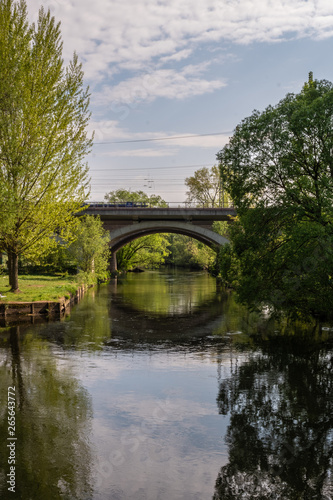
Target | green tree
(43,135)
(147,251)
(205,188)
(90,249)
(278,169)
(189,253)
(124,195)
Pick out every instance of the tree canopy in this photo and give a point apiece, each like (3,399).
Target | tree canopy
(148,251)
(124,195)
(278,169)
(204,187)
(43,135)
(90,249)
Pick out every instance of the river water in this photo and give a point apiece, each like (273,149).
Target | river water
(158,386)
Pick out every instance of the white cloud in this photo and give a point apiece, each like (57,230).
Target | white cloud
(116,34)
(107,130)
(167,83)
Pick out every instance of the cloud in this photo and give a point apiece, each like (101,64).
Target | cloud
(167,83)
(108,130)
(111,35)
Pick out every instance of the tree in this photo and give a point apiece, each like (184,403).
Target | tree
(43,137)
(278,169)
(91,249)
(147,251)
(206,188)
(124,195)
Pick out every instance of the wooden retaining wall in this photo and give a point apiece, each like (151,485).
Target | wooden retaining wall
(37,308)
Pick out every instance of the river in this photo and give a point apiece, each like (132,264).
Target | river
(158,386)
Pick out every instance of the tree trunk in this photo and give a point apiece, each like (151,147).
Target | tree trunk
(13,270)
(9,264)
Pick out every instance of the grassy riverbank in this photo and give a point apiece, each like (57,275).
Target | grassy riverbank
(37,288)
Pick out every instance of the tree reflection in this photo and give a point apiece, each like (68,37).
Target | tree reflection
(280,434)
(53,413)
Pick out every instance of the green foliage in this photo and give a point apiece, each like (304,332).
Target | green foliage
(57,260)
(148,251)
(189,253)
(43,135)
(206,189)
(90,250)
(124,195)
(278,169)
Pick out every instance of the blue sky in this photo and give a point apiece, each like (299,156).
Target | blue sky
(159,70)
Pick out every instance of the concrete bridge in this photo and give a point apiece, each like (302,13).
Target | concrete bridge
(126,223)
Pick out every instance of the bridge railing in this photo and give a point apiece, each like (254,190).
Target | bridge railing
(172,204)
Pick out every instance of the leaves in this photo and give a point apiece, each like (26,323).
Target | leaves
(147,251)
(278,170)
(43,138)
(124,195)
(205,188)
(91,249)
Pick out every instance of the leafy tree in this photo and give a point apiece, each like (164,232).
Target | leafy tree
(43,137)
(147,251)
(91,249)
(206,189)
(189,253)
(278,169)
(124,195)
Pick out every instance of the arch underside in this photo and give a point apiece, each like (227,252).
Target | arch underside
(121,237)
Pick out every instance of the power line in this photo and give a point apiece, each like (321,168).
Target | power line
(208,164)
(163,138)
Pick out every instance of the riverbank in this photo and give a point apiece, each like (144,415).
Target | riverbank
(39,295)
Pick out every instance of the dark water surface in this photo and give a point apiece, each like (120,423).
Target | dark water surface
(159,387)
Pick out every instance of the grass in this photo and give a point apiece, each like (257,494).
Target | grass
(36,288)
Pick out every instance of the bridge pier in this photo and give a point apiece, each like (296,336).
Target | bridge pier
(113,262)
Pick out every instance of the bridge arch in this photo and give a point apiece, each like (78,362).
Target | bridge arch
(121,236)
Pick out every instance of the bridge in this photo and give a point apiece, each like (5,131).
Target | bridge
(126,223)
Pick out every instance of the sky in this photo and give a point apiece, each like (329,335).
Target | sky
(171,79)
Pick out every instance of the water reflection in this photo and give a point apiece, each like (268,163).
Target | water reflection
(135,311)
(280,435)
(118,401)
(169,292)
(53,414)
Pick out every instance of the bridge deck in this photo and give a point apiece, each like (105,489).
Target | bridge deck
(135,213)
